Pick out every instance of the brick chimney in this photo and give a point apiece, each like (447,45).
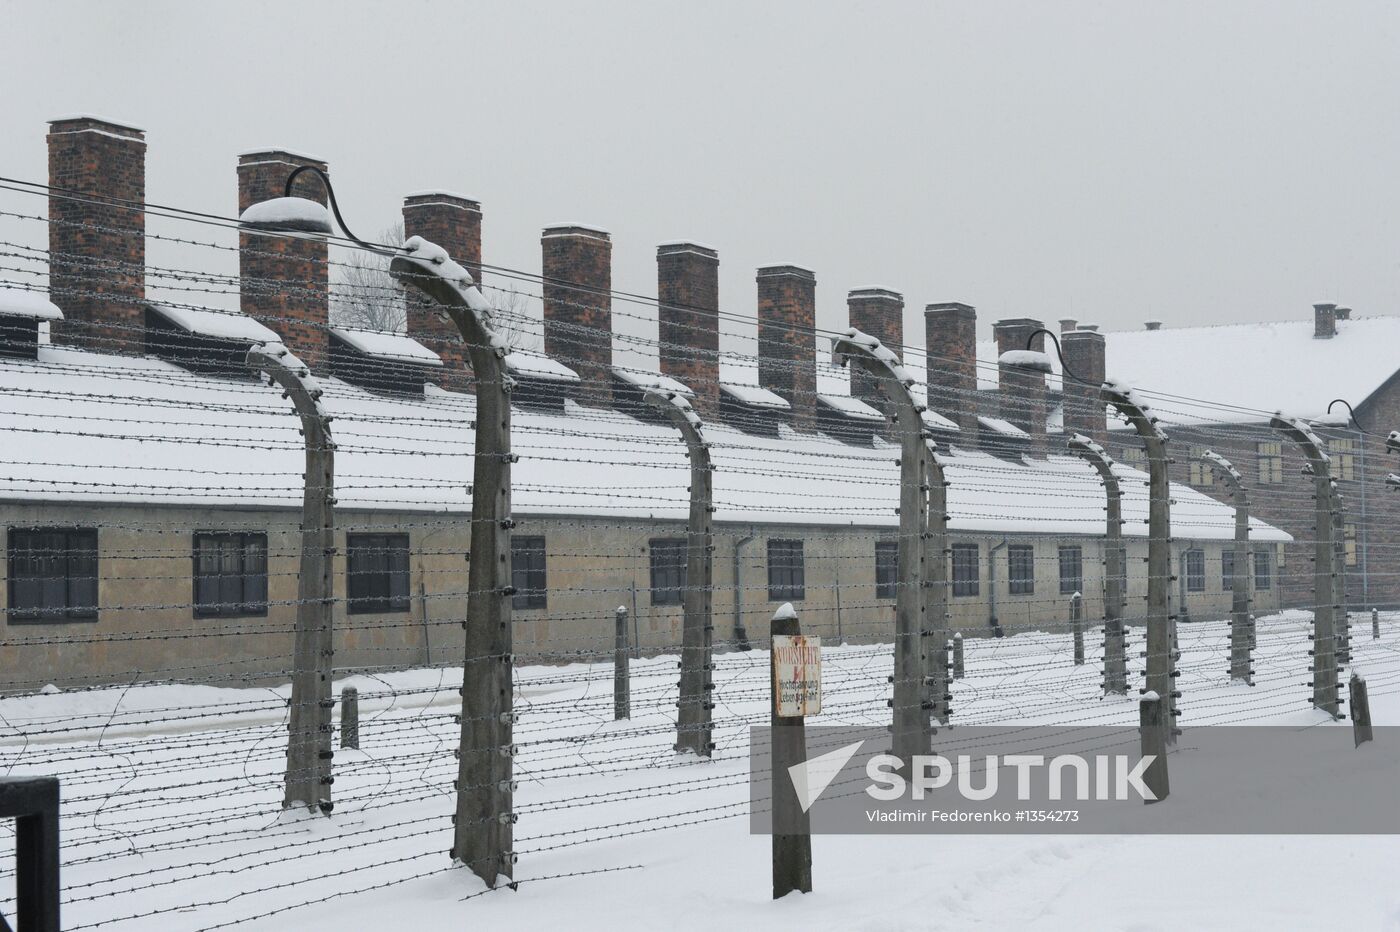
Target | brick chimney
(1068,324)
(97,250)
(1084,411)
(687,319)
(1021,394)
(950,340)
(1324,321)
(1343,313)
(787,339)
(878,312)
(1154,325)
(284,279)
(454,223)
(578,305)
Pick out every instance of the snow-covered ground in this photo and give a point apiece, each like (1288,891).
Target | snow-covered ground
(172,807)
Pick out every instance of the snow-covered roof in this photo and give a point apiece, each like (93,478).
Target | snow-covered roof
(223,442)
(753,396)
(385,344)
(218,325)
(19,302)
(532,365)
(644,380)
(853,408)
(1244,371)
(1000,426)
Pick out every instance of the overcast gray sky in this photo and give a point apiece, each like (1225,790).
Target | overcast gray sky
(1111,161)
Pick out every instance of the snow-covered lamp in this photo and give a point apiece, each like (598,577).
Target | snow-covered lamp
(301,216)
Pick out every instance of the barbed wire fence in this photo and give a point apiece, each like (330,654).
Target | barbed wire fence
(173,733)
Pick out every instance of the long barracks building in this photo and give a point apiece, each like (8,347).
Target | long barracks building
(153,484)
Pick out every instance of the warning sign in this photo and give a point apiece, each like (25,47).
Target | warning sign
(797,674)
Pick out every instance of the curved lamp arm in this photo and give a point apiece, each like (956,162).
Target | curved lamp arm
(427,267)
(335,206)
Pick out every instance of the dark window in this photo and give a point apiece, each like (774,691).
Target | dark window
(527,572)
(1195,570)
(1227,570)
(668,559)
(887,569)
(53,573)
(1020,569)
(1263,571)
(1071,569)
(230,574)
(377,577)
(787,576)
(965,569)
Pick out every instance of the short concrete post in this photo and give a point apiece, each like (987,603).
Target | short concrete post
(622,691)
(1152,727)
(792,826)
(1360,711)
(958,656)
(1375,624)
(1076,624)
(350,717)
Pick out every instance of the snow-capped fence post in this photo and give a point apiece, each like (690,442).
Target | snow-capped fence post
(1360,710)
(915,677)
(695,709)
(1076,624)
(1241,662)
(934,602)
(350,717)
(622,690)
(1324,637)
(1161,656)
(484,819)
(1153,731)
(1115,665)
(792,824)
(958,655)
(310,730)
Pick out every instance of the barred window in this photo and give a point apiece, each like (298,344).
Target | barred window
(1349,543)
(1270,457)
(527,574)
(230,574)
(1020,569)
(376,573)
(787,580)
(886,569)
(1342,452)
(1202,473)
(1134,456)
(1194,569)
(1263,571)
(966,571)
(1071,569)
(52,574)
(668,568)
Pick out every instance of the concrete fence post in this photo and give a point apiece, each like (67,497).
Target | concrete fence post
(1241,661)
(917,684)
(958,655)
(1161,651)
(695,709)
(1076,624)
(1153,736)
(1115,663)
(484,818)
(1360,710)
(1324,637)
(1375,624)
(622,689)
(792,825)
(350,717)
(310,730)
